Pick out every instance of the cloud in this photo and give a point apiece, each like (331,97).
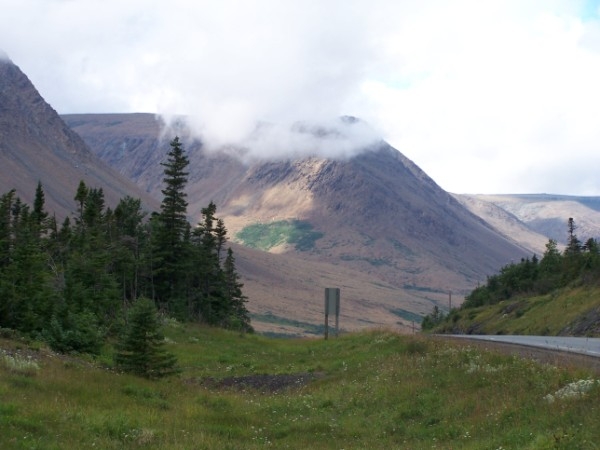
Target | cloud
(488,97)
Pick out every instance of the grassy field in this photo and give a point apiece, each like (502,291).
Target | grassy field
(369,390)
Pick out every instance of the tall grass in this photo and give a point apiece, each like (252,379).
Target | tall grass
(561,312)
(374,390)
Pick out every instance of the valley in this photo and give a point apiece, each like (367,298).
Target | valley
(373,224)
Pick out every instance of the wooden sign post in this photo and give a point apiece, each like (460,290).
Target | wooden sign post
(332,306)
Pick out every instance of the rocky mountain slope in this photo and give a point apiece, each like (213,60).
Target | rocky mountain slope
(374,225)
(36,145)
(376,213)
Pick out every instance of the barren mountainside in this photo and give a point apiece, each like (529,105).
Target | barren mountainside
(374,225)
(36,145)
(376,212)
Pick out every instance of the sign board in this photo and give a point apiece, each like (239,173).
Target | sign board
(332,306)
(332,301)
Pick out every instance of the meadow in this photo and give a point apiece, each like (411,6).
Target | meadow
(367,390)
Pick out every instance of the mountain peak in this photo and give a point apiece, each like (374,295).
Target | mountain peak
(37,145)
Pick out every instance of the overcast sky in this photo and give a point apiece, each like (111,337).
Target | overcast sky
(485,96)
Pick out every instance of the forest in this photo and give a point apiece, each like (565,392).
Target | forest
(579,262)
(74,284)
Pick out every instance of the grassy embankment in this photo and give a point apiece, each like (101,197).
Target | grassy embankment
(374,390)
(567,311)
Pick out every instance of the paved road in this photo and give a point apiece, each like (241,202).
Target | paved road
(581,345)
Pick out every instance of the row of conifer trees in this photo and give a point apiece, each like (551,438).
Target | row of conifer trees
(578,262)
(73,284)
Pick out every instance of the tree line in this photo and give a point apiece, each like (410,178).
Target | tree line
(74,284)
(579,261)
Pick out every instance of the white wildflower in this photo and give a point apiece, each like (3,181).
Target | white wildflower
(575,389)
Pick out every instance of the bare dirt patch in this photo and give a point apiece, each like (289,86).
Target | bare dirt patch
(266,383)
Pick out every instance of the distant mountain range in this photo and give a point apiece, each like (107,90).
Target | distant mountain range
(374,225)
(543,214)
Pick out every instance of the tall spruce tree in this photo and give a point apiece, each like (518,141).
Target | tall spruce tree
(39,214)
(211,299)
(128,236)
(239,318)
(172,230)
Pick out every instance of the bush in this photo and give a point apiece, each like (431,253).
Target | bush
(140,349)
(75,332)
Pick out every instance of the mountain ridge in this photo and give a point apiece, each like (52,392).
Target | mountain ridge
(393,240)
(37,145)
(351,200)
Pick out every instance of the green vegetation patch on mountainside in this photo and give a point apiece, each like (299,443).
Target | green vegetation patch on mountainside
(265,236)
(567,311)
(366,390)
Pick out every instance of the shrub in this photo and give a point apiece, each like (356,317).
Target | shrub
(140,349)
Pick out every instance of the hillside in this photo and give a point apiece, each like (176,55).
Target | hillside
(36,145)
(544,216)
(376,213)
(285,292)
(374,225)
(566,312)
(505,222)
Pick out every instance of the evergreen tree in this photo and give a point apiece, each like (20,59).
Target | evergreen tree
(220,237)
(126,241)
(572,256)
(39,214)
(573,243)
(173,227)
(210,298)
(140,349)
(80,198)
(67,284)
(433,319)
(239,318)
(6,232)
(93,210)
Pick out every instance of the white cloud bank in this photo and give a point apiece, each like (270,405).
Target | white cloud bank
(485,96)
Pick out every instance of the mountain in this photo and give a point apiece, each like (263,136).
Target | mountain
(375,217)
(374,224)
(544,215)
(505,222)
(286,293)
(36,145)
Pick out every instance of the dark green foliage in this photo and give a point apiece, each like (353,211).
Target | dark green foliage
(39,213)
(170,233)
(74,332)
(141,347)
(238,317)
(538,277)
(431,320)
(70,284)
